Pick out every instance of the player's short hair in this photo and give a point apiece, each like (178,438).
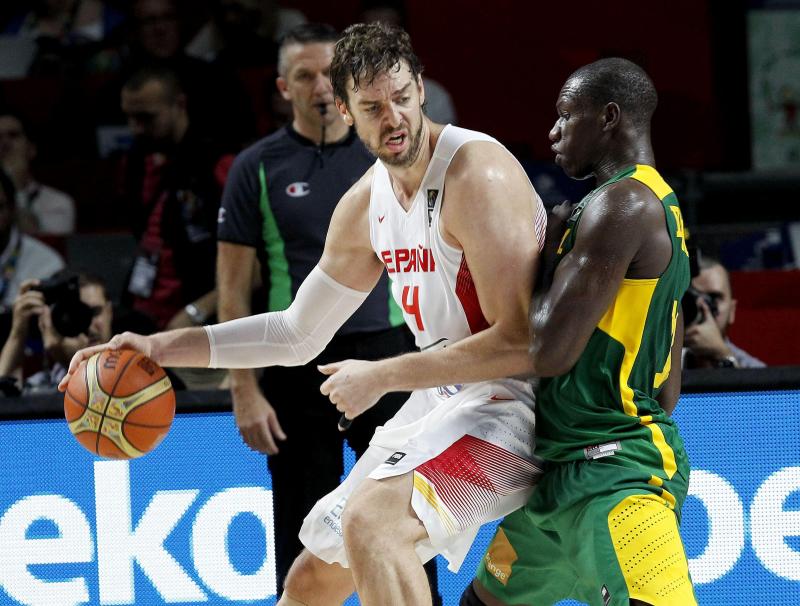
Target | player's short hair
(367,50)
(169,80)
(619,81)
(305,33)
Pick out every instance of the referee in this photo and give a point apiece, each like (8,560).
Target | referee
(278,202)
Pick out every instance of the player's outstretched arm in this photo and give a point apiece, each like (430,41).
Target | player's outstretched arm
(186,347)
(325,300)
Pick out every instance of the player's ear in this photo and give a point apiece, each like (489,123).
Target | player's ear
(611,116)
(283,87)
(421,88)
(344,112)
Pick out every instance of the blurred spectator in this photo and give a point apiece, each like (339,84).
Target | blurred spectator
(216,97)
(706,344)
(243,32)
(172,182)
(40,209)
(31,308)
(22,257)
(65,31)
(438,102)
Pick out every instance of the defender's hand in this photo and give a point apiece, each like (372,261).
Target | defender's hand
(561,212)
(353,386)
(257,420)
(126,340)
(557,224)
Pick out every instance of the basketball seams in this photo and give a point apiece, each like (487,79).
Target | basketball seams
(84,408)
(132,439)
(145,395)
(121,373)
(118,378)
(138,405)
(161,378)
(126,423)
(96,358)
(103,414)
(84,405)
(120,432)
(119,449)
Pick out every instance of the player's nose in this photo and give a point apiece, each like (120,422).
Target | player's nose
(394,117)
(555,133)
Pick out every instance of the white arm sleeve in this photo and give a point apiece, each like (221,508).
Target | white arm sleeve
(290,337)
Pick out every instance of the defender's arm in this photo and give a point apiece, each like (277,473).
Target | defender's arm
(565,313)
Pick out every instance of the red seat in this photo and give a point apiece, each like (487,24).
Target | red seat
(768,315)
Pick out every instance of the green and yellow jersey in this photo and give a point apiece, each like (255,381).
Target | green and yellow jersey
(609,397)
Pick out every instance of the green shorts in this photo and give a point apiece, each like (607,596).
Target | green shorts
(601,532)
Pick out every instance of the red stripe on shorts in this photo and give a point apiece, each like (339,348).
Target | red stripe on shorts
(472,474)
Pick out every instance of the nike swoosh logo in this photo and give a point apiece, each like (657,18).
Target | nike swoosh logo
(380,219)
(497,398)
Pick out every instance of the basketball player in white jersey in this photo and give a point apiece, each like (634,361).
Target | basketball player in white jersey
(451,216)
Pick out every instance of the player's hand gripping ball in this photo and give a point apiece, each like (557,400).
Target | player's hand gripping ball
(119,404)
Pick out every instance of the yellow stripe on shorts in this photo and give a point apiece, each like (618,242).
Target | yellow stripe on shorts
(422,486)
(644,532)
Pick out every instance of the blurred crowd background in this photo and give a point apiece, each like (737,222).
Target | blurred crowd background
(83,160)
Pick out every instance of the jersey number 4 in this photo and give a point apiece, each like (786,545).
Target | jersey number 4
(411,304)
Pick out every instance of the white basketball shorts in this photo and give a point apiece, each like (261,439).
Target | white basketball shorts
(470,449)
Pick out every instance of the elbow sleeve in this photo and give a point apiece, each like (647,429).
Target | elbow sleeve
(286,338)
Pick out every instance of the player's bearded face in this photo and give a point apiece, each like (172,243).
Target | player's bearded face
(407,157)
(387,114)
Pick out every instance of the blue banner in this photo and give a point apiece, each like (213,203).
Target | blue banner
(191,523)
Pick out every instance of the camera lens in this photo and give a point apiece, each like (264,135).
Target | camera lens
(692,312)
(71,318)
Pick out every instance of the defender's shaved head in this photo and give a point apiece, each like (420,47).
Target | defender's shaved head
(619,81)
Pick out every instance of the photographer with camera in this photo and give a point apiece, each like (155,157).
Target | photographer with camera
(709,309)
(68,312)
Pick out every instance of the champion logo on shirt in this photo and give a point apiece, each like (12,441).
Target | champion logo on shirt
(298,189)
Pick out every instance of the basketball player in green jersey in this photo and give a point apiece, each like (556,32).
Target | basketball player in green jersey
(602,525)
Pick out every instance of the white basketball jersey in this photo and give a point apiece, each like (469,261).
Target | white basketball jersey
(430,279)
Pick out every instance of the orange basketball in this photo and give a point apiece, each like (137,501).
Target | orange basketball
(119,404)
